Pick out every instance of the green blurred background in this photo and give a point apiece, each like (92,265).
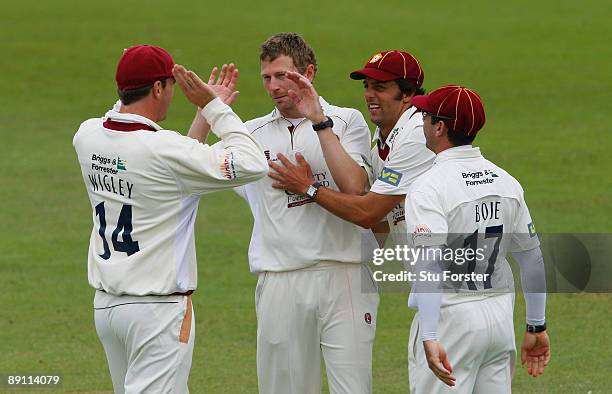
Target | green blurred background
(542,69)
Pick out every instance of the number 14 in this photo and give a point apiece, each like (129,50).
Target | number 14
(124,223)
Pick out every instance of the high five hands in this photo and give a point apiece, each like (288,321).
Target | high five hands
(225,86)
(200,93)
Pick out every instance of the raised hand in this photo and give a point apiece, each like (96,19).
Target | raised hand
(193,87)
(225,86)
(305,97)
(535,351)
(438,362)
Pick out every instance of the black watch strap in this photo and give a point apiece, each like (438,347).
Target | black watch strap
(323,125)
(312,190)
(536,328)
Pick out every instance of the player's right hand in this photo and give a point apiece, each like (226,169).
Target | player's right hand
(438,362)
(225,86)
(193,87)
(535,351)
(305,97)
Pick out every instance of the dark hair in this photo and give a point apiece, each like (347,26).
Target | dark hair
(407,87)
(455,138)
(130,96)
(289,44)
(459,139)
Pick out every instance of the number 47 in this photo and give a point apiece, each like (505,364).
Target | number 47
(124,223)
(472,242)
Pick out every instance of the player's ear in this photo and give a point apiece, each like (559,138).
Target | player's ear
(407,98)
(157,89)
(441,129)
(310,72)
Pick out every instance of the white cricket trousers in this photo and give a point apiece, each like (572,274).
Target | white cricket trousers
(330,309)
(148,341)
(478,337)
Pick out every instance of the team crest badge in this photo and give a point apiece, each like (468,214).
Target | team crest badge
(368,318)
(376,58)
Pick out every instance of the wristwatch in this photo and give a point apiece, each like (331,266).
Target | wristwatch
(323,125)
(536,328)
(312,190)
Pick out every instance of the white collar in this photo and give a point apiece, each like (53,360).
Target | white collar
(458,152)
(130,118)
(402,119)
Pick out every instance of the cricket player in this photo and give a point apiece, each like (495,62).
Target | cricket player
(309,298)
(144,185)
(391,80)
(463,334)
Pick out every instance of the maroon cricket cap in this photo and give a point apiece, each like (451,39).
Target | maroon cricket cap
(142,65)
(391,65)
(461,105)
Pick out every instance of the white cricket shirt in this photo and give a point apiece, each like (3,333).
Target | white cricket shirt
(144,189)
(291,231)
(407,158)
(465,201)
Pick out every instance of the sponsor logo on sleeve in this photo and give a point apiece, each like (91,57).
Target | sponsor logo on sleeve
(227,165)
(390,176)
(420,231)
(532,230)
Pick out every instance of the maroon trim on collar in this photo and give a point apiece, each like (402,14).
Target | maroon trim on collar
(122,126)
(383,152)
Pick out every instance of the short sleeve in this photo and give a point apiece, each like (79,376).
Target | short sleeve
(407,161)
(356,138)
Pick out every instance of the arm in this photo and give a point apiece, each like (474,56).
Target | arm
(535,350)
(429,299)
(347,174)
(242,157)
(525,247)
(201,168)
(199,128)
(366,211)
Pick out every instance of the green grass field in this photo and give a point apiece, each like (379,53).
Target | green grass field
(539,66)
